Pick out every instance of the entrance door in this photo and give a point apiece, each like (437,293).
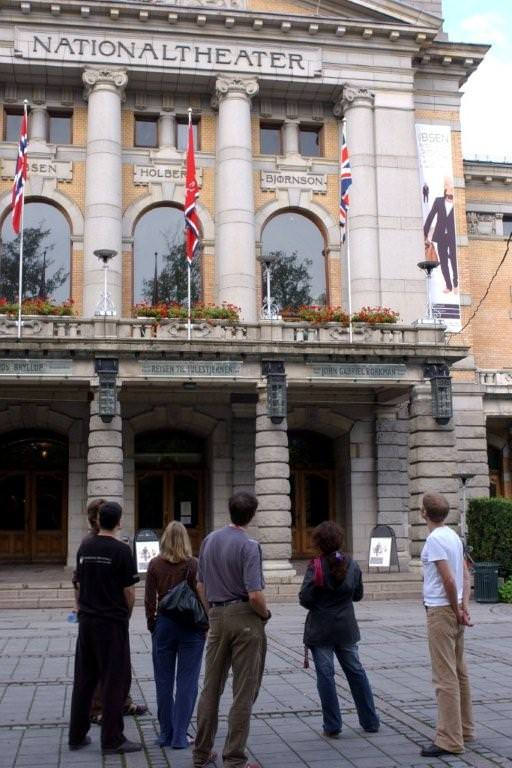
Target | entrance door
(312,487)
(312,496)
(33,497)
(33,521)
(166,495)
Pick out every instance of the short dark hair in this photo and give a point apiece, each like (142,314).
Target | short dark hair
(110,515)
(93,509)
(242,507)
(436,507)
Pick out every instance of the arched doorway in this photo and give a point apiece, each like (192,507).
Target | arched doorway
(159,264)
(170,482)
(299,272)
(312,486)
(46,254)
(33,494)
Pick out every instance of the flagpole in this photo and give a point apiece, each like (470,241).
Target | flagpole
(347,241)
(189,292)
(20,274)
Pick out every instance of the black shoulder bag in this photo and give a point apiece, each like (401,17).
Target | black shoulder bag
(182,605)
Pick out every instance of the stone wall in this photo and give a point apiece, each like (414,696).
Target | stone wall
(363,490)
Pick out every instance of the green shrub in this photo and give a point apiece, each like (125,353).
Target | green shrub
(506,592)
(490,532)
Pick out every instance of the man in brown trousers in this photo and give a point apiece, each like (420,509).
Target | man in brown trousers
(230,582)
(446,599)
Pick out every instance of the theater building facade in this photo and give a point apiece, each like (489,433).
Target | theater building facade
(320,421)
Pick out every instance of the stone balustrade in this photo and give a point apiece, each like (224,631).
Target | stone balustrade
(495,378)
(53,327)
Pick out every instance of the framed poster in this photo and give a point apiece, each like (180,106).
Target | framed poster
(380,552)
(145,551)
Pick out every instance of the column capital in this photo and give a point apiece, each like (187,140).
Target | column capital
(227,85)
(109,77)
(353,96)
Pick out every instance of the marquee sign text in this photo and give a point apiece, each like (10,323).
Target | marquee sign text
(27,367)
(293,180)
(358,371)
(167,53)
(191,369)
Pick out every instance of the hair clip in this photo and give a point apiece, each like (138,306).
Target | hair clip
(339,556)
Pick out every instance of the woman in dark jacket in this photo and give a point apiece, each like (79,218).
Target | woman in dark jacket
(329,591)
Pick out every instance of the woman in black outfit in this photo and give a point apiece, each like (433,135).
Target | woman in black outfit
(332,584)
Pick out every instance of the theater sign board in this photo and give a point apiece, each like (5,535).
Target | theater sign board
(166,52)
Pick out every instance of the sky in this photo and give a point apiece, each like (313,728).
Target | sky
(487,104)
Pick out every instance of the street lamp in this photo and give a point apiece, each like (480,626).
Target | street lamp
(105,306)
(269,309)
(464,477)
(428,267)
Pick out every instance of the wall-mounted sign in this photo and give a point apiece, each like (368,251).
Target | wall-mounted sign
(165,52)
(317,182)
(358,370)
(146,174)
(49,169)
(191,369)
(26,367)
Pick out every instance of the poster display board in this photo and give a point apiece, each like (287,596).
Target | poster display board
(383,552)
(439,216)
(146,546)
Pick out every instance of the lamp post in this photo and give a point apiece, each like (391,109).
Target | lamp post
(269,310)
(105,306)
(464,477)
(428,267)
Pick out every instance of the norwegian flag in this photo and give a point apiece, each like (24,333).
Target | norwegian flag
(346,181)
(191,195)
(20,176)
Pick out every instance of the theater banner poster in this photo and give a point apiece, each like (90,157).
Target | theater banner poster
(437,197)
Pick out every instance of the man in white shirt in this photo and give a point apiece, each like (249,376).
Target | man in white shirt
(446,597)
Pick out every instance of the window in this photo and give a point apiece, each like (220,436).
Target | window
(507,226)
(182,133)
(12,123)
(271,142)
(310,140)
(298,274)
(46,255)
(160,267)
(59,128)
(146,131)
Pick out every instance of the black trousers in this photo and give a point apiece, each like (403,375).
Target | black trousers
(102,656)
(448,256)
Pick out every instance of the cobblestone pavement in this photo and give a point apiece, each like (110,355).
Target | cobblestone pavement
(37,664)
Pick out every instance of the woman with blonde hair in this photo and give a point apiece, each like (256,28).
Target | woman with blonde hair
(177,649)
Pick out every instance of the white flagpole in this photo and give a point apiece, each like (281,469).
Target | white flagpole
(20,274)
(347,241)
(189,326)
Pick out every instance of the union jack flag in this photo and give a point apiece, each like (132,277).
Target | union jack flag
(346,181)
(20,176)
(191,195)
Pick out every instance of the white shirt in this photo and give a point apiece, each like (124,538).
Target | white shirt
(442,544)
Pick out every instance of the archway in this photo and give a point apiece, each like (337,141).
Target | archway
(312,486)
(170,481)
(159,264)
(299,272)
(46,254)
(33,492)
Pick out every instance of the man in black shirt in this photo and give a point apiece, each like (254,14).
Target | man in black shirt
(106,574)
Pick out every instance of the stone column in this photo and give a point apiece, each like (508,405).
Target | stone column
(356,105)
(105,455)
(272,487)
(291,137)
(167,131)
(432,464)
(234,196)
(392,438)
(38,123)
(103,183)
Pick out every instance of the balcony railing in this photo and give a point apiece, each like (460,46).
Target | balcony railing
(137,329)
(495,378)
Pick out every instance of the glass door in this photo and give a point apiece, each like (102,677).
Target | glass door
(14,529)
(48,516)
(312,502)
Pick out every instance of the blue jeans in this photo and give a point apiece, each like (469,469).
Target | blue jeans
(359,687)
(177,655)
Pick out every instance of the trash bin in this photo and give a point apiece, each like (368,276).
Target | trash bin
(486,582)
